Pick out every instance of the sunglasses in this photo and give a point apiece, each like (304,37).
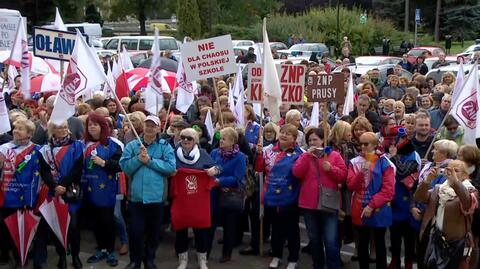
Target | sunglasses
(451,129)
(188,138)
(364,144)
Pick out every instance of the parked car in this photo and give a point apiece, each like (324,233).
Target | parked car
(136,43)
(428,51)
(376,60)
(306,49)
(438,72)
(452,60)
(243,43)
(275,45)
(385,70)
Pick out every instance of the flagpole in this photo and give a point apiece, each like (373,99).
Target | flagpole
(11,54)
(474,69)
(168,113)
(260,185)
(218,101)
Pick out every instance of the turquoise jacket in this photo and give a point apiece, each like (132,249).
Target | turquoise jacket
(148,180)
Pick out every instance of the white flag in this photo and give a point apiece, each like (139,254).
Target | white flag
(231,101)
(258,109)
(4,119)
(154,91)
(259,58)
(186,90)
(116,71)
(111,83)
(239,109)
(271,83)
(83,73)
(12,74)
(458,83)
(209,126)
(349,101)
(126,62)
(20,58)
(58,24)
(314,119)
(238,84)
(465,108)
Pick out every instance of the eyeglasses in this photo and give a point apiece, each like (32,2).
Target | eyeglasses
(364,144)
(188,138)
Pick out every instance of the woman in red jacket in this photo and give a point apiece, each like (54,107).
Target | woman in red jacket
(320,169)
(372,179)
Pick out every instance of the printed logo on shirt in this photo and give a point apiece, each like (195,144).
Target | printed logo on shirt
(192,185)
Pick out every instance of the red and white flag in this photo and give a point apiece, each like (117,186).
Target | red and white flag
(156,83)
(122,88)
(12,74)
(20,58)
(83,73)
(466,107)
(186,90)
(271,84)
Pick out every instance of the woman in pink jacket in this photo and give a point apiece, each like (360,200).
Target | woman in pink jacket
(321,171)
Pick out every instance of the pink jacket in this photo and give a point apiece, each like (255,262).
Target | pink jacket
(304,169)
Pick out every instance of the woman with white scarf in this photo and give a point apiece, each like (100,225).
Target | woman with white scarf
(190,156)
(450,206)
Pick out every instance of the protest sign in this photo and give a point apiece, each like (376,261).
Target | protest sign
(8,29)
(325,88)
(292,82)
(53,44)
(208,58)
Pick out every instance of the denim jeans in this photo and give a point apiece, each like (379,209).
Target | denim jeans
(120,225)
(322,229)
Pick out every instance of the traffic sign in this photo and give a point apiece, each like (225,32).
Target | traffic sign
(417,15)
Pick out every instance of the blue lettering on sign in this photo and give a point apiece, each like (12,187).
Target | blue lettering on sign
(48,44)
(59,45)
(40,42)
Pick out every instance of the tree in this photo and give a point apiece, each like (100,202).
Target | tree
(188,17)
(92,15)
(461,21)
(207,10)
(407,15)
(122,8)
(437,20)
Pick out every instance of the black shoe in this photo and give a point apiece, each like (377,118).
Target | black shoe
(149,265)
(4,259)
(62,262)
(77,263)
(40,266)
(249,251)
(132,265)
(225,259)
(306,249)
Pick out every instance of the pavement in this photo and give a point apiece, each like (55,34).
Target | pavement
(166,258)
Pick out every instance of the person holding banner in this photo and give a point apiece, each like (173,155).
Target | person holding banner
(65,157)
(100,166)
(281,191)
(147,163)
(22,166)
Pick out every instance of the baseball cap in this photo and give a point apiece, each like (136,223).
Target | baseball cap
(153,118)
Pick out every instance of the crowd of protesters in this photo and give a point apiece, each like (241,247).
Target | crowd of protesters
(351,178)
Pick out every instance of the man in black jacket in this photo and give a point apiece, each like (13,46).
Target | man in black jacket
(362,109)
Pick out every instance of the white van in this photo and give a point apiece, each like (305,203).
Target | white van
(136,43)
(92,30)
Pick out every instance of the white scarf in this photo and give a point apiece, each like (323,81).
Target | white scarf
(447,193)
(194,153)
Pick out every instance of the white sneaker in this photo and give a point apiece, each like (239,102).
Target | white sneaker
(292,265)
(182,260)
(275,263)
(202,260)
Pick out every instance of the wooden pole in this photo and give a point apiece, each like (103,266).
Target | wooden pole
(218,102)
(164,129)
(11,54)
(61,72)
(326,127)
(260,187)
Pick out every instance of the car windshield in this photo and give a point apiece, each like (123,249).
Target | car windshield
(367,61)
(416,53)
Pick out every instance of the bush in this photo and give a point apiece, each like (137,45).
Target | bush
(237,32)
(320,25)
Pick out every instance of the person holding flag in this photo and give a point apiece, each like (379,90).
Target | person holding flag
(65,158)
(100,166)
(22,166)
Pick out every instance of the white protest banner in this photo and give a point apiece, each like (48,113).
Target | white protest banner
(292,82)
(208,58)
(54,44)
(8,29)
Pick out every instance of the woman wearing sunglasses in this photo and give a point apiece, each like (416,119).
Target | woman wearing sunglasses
(190,192)
(372,179)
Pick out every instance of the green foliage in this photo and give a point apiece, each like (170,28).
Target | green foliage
(320,25)
(237,32)
(189,23)
(92,15)
(461,21)
(71,10)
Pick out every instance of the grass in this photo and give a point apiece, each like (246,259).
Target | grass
(456,46)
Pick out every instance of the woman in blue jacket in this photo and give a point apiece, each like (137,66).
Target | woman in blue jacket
(100,166)
(233,166)
(281,191)
(65,157)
